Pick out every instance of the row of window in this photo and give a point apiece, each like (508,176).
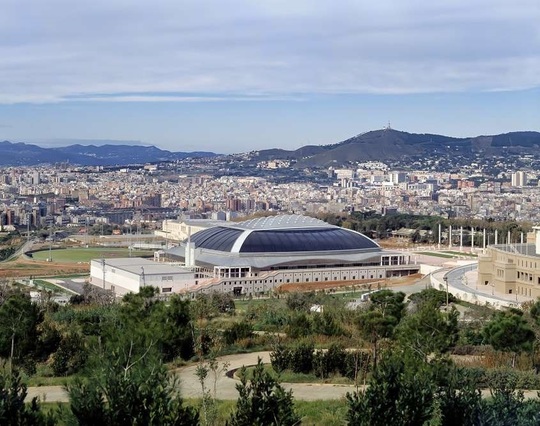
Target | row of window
(288,280)
(527,263)
(526,276)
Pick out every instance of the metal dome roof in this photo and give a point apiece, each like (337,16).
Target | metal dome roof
(281,234)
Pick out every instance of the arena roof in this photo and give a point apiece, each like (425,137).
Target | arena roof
(281,234)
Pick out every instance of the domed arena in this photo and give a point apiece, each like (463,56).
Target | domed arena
(257,255)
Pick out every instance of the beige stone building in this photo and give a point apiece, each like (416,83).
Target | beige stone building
(512,268)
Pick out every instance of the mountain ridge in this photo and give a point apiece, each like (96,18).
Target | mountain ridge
(390,144)
(23,154)
(376,145)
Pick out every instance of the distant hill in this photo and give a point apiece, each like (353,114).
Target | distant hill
(22,154)
(389,144)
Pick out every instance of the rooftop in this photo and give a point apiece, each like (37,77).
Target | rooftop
(285,221)
(138,265)
(524,249)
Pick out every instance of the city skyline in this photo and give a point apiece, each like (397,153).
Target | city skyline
(244,76)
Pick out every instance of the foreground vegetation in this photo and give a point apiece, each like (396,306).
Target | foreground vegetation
(413,361)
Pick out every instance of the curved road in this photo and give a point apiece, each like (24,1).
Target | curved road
(225,386)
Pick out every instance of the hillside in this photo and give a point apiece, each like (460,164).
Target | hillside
(389,144)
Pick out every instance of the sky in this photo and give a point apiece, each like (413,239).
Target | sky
(240,75)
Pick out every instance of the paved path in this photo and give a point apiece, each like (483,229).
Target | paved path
(225,386)
(47,394)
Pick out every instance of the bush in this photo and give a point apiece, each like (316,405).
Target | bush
(354,363)
(327,325)
(280,358)
(499,377)
(70,356)
(302,358)
(299,326)
(431,295)
(320,365)
(329,362)
(237,331)
(301,302)
(335,357)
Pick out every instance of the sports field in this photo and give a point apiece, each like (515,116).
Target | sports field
(76,255)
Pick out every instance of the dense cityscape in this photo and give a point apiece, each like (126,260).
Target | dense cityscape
(269,213)
(75,197)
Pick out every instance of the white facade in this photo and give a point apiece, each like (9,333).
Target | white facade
(259,283)
(130,274)
(519,179)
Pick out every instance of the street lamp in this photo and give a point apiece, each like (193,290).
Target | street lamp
(103,270)
(445,279)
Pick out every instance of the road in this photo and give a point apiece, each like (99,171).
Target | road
(225,386)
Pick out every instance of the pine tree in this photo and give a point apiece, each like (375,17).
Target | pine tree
(263,401)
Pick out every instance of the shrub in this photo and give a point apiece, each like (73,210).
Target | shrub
(280,358)
(70,356)
(354,364)
(299,326)
(326,324)
(335,358)
(237,331)
(320,365)
(302,358)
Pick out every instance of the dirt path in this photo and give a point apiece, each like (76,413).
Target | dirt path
(225,386)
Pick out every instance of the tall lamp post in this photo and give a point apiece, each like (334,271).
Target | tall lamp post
(103,269)
(445,279)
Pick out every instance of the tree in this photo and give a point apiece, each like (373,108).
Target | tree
(129,385)
(508,406)
(301,302)
(176,337)
(70,356)
(432,296)
(374,327)
(429,330)
(19,318)
(13,410)
(458,399)
(388,303)
(508,331)
(381,318)
(400,392)
(262,401)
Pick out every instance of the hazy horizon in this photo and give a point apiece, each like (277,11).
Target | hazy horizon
(241,75)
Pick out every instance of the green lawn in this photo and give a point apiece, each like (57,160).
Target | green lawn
(313,413)
(289,376)
(459,253)
(76,255)
(242,305)
(46,285)
(437,254)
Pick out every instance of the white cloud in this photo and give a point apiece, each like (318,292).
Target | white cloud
(213,50)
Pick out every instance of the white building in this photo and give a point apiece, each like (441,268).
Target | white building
(258,255)
(519,179)
(126,275)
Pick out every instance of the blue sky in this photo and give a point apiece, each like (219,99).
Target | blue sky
(237,75)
